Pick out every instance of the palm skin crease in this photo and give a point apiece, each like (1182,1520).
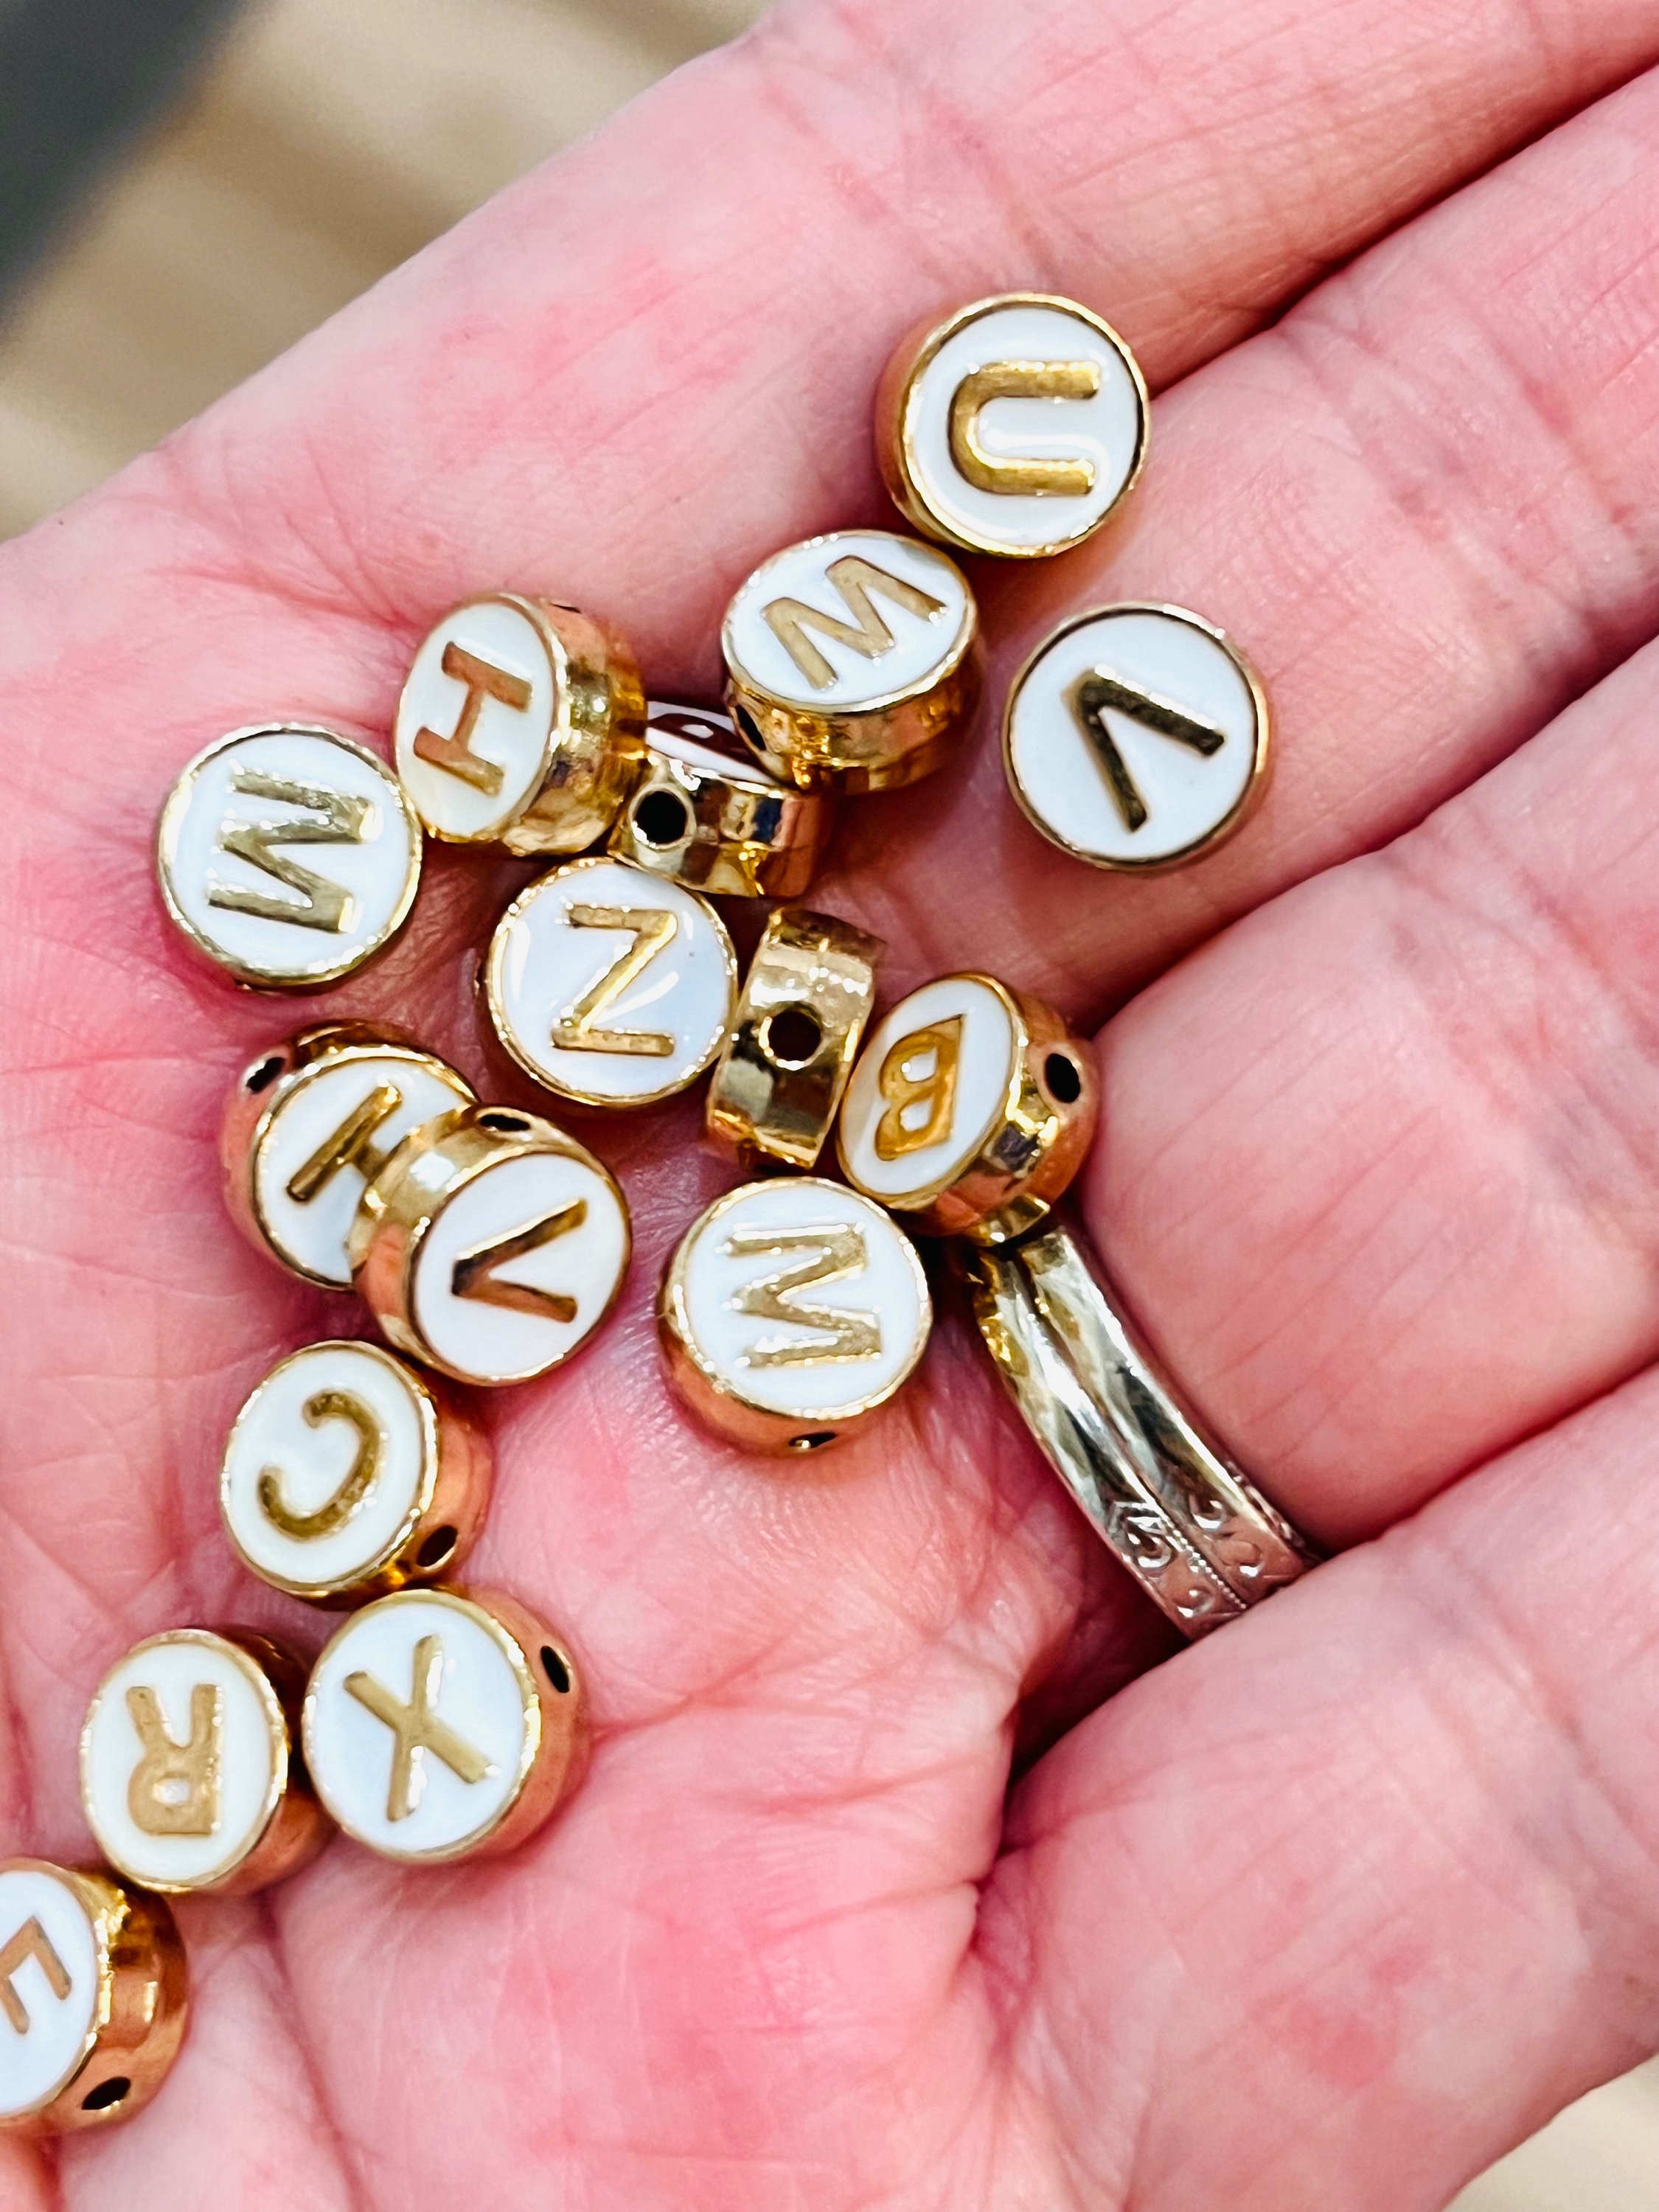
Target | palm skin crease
(916,1869)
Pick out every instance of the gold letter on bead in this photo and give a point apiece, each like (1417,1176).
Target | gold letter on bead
(351,1146)
(418,1729)
(174,1790)
(324,905)
(360,1479)
(651,928)
(482,681)
(855,579)
(1100,689)
(1020,379)
(31,1941)
(936,1089)
(474,1273)
(837,1251)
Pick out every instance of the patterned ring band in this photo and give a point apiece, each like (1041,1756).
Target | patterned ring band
(1194,1531)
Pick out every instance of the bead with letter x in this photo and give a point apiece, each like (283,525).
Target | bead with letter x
(418,1729)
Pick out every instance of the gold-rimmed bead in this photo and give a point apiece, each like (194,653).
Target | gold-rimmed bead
(442,1724)
(779,1080)
(970,1109)
(520,726)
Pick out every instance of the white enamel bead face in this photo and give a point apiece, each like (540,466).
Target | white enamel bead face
(611,986)
(287,855)
(704,738)
(484,686)
(183,1760)
(1020,425)
(421,1725)
(50,1960)
(1136,737)
(329,1465)
(930,1085)
(912,604)
(486,1342)
(304,1205)
(796,1297)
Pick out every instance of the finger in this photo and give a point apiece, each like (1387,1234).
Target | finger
(1353,1896)
(1421,503)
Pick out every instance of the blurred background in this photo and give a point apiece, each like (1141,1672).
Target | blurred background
(186,186)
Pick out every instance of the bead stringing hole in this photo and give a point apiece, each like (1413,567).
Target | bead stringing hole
(436,1549)
(112,2092)
(791,1037)
(1061,1079)
(662,819)
(555,1669)
(263,1073)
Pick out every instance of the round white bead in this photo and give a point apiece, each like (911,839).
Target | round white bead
(545,957)
(1188,796)
(792,1360)
(309,1235)
(311,1461)
(358,877)
(924,643)
(38,2063)
(245,1739)
(1105,433)
(510,738)
(974,1060)
(419,1806)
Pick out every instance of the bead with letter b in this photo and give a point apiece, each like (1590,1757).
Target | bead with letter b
(442,1726)
(853,661)
(792,1311)
(1136,738)
(308,1125)
(347,1475)
(970,1109)
(520,726)
(287,855)
(779,1080)
(610,986)
(190,1773)
(1014,426)
(92,1998)
(491,1245)
(705,814)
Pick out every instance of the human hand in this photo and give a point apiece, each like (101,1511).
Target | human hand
(1329,1910)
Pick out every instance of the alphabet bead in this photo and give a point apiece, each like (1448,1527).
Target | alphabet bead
(1136,738)
(288,856)
(970,1109)
(792,1312)
(441,1727)
(609,986)
(704,815)
(92,1998)
(347,1475)
(491,1245)
(307,1125)
(1013,426)
(520,726)
(779,1080)
(189,1774)
(854,662)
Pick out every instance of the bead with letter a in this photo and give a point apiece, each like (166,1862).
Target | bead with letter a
(791,1313)
(610,986)
(1136,738)
(440,1726)
(970,1109)
(1014,426)
(188,1778)
(853,661)
(348,1475)
(491,1245)
(308,1125)
(287,855)
(520,726)
(92,1998)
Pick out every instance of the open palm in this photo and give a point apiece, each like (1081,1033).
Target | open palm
(1327,1910)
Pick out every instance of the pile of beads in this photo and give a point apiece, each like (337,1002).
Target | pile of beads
(488,1244)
